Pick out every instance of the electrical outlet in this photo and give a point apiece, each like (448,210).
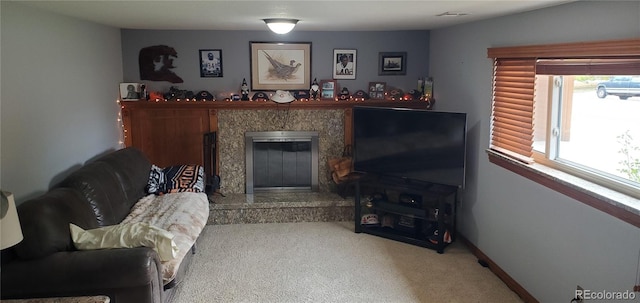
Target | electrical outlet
(579,297)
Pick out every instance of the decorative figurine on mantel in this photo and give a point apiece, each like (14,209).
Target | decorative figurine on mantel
(344,94)
(143,92)
(315,88)
(245,90)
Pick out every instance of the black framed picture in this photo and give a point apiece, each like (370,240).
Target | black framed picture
(344,61)
(210,63)
(392,63)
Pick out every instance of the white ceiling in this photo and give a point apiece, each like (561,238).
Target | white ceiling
(316,15)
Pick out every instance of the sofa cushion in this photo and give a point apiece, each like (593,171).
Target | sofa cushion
(131,167)
(128,235)
(102,190)
(156,181)
(45,222)
(183,178)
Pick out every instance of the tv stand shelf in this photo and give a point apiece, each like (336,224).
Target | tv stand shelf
(410,211)
(397,208)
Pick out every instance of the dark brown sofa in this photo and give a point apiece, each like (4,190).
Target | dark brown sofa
(46,263)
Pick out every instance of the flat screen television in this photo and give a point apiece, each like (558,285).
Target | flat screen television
(414,144)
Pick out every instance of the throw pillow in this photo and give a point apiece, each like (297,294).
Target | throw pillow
(155,185)
(184,178)
(126,235)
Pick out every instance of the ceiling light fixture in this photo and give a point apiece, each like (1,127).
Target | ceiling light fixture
(450,14)
(280,25)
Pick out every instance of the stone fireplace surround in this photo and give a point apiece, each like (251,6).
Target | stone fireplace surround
(233,124)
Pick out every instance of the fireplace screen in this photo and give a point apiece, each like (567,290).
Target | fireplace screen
(281,160)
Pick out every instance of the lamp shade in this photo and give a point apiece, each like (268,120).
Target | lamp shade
(10,231)
(280,25)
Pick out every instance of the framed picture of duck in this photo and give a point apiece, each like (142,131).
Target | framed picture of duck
(280,65)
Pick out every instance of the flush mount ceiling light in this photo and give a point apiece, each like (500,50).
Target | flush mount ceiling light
(280,25)
(451,14)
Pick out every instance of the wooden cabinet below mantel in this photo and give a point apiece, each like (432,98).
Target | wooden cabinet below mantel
(169,136)
(171,132)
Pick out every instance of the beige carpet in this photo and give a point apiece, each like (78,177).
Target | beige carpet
(328,262)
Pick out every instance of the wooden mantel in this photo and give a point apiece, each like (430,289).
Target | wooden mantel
(170,132)
(320,104)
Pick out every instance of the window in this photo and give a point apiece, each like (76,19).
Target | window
(574,107)
(594,123)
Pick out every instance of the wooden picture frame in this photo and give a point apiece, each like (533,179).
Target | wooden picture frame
(392,63)
(210,63)
(130,91)
(377,90)
(328,89)
(280,65)
(344,64)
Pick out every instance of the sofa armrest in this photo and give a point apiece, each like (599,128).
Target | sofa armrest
(130,274)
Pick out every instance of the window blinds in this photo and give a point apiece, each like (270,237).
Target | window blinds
(512,121)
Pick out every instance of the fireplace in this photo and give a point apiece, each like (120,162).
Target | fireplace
(281,161)
(329,123)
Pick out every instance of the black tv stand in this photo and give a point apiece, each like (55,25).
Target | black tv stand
(412,211)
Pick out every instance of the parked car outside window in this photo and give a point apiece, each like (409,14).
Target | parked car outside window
(621,86)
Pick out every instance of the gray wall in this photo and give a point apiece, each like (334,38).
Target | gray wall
(59,89)
(547,242)
(235,55)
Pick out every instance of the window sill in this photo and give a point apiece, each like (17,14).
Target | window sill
(621,206)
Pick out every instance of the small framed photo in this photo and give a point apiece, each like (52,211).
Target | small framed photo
(328,89)
(130,91)
(344,64)
(377,90)
(210,63)
(392,63)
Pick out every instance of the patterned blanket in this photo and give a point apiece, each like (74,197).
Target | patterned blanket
(183,214)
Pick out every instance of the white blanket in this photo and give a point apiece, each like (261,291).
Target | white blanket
(183,214)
